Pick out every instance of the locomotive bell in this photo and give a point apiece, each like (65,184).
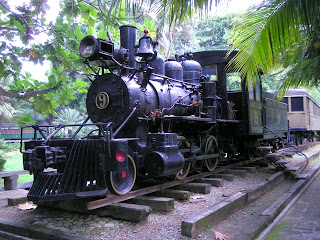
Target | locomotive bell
(145,46)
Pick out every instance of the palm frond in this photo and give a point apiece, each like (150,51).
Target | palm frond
(283,32)
(173,10)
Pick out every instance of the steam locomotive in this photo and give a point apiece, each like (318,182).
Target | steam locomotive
(154,119)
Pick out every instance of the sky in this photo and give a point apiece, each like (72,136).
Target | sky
(39,74)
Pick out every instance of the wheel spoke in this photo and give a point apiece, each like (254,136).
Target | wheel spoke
(186,168)
(211,146)
(121,182)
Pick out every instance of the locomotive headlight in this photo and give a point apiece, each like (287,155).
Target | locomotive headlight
(88,51)
(92,49)
(88,47)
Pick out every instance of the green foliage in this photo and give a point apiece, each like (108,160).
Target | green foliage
(210,33)
(280,33)
(14,162)
(3,148)
(233,82)
(28,23)
(68,116)
(184,39)
(27,35)
(2,160)
(215,32)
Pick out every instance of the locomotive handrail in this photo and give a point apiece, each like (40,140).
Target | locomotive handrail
(125,121)
(57,129)
(174,80)
(291,146)
(37,128)
(80,127)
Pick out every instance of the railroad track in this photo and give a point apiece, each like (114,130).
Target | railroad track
(80,205)
(112,201)
(83,206)
(111,198)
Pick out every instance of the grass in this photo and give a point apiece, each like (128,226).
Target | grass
(14,162)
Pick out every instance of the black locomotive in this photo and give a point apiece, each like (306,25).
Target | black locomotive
(153,118)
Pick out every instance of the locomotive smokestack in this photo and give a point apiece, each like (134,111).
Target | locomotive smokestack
(128,36)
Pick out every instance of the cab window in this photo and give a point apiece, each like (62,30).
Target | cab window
(210,71)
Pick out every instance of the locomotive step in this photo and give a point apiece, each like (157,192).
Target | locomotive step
(300,176)
(282,161)
(292,169)
(273,155)
(264,148)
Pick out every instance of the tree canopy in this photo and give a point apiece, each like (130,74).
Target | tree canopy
(280,34)
(27,35)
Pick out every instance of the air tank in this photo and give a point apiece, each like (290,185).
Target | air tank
(158,68)
(174,69)
(191,71)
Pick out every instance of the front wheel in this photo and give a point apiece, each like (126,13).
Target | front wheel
(121,182)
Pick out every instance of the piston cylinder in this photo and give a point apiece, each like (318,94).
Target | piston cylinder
(165,159)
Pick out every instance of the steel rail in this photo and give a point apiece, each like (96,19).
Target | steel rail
(111,198)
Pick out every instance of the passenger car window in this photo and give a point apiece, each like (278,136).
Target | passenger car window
(297,104)
(284,100)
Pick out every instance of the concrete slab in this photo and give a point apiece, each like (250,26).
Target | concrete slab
(264,148)
(14,201)
(277,206)
(301,215)
(264,187)
(273,155)
(13,193)
(195,225)
(29,232)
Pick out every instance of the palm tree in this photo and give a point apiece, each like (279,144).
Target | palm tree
(68,116)
(171,10)
(280,33)
(277,33)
